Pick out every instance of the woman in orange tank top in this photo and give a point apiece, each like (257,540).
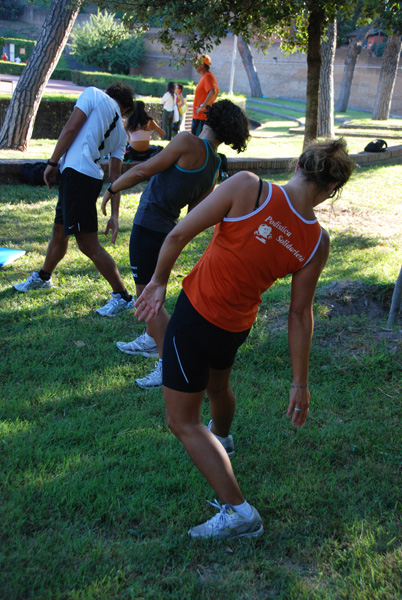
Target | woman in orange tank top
(263,232)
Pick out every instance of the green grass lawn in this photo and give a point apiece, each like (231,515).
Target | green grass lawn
(97,495)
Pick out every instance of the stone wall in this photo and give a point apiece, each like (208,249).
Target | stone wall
(10,170)
(52,117)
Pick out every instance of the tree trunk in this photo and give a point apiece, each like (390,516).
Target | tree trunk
(388,74)
(315,29)
(326,101)
(249,67)
(21,113)
(396,303)
(354,51)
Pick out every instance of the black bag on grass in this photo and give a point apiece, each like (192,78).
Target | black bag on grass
(376,146)
(32,173)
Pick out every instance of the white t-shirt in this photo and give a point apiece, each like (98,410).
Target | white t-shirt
(169,101)
(103,115)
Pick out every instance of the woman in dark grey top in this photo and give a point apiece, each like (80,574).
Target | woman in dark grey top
(183,174)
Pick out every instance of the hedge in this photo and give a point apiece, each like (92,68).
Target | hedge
(144,86)
(53,114)
(9,68)
(27,44)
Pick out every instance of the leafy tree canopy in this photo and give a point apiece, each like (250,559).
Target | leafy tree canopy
(204,23)
(388,13)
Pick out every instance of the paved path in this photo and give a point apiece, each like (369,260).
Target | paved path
(8,83)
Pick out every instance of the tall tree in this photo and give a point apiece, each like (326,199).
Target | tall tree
(354,50)
(249,67)
(386,83)
(315,29)
(21,113)
(299,23)
(326,126)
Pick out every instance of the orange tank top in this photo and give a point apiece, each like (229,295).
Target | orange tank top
(244,258)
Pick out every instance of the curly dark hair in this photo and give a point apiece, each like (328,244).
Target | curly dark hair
(121,93)
(138,118)
(229,124)
(327,162)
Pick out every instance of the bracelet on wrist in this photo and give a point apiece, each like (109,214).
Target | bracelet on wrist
(109,189)
(52,164)
(295,385)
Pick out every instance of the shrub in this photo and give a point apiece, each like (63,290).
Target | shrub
(378,49)
(107,44)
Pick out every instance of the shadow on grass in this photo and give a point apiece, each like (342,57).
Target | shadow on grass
(360,242)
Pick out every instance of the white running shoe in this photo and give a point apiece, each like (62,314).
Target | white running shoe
(141,345)
(154,379)
(116,305)
(228,523)
(34,282)
(227,442)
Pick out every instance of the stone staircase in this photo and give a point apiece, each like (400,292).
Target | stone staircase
(188,117)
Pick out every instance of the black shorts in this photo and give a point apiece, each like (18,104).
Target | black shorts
(76,208)
(144,251)
(135,155)
(193,346)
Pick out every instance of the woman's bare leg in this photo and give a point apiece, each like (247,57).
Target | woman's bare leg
(157,327)
(183,416)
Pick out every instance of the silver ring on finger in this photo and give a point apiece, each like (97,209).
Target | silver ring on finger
(298,409)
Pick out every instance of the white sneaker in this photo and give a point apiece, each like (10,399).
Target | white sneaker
(115,305)
(154,379)
(34,282)
(141,345)
(228,523)
(227,442)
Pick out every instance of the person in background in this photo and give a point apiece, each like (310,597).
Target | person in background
(94,130)
(4,57)
(181,108)
(168,100)
(139,126)
(263,232)
(205,94)
(181,175)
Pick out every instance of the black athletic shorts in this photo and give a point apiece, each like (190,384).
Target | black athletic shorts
(76,208)
(193,346)
(144,251)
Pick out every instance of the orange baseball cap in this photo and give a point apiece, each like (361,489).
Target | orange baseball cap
(205,59)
